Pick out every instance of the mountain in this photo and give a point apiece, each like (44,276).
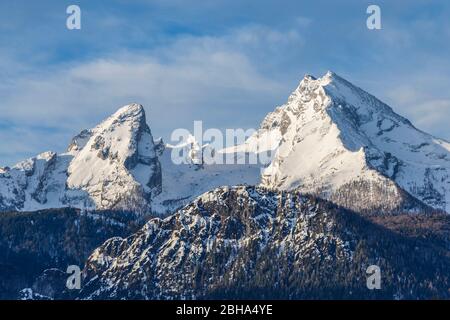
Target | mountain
(223,245)
(330,139)
(335,140)
(112,166)
(346,183)
(116,165)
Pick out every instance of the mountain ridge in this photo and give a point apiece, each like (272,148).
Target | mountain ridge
(112,166)
(330,138)
(223,246)
(331,133)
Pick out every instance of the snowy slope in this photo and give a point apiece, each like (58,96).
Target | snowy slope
(224,244)
(116,165)
(181,183)
(334,139)
(113,165)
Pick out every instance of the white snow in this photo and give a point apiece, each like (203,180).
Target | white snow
(330,133)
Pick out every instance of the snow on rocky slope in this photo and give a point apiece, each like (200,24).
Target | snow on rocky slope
(223,246)
(331,139)
(183,182)
(217,231)
(116,165)
(113,165)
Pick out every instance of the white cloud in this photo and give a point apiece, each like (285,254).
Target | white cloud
(194,78)
(422,97)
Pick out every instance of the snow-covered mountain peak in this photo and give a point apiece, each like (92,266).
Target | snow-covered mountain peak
(112,166)
(331,134)
(312,96)
(130,110)
(118,159)
(324,80)
(132,115)
(129,118)
(120,134)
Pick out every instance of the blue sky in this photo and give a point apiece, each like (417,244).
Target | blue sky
(225,62)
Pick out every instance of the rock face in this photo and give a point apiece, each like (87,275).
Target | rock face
(333,139)
(224,244)
(116,162)
(112,166)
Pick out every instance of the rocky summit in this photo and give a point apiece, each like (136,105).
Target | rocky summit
(112,166)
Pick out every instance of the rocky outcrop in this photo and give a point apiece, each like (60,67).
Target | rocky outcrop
(247,242)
